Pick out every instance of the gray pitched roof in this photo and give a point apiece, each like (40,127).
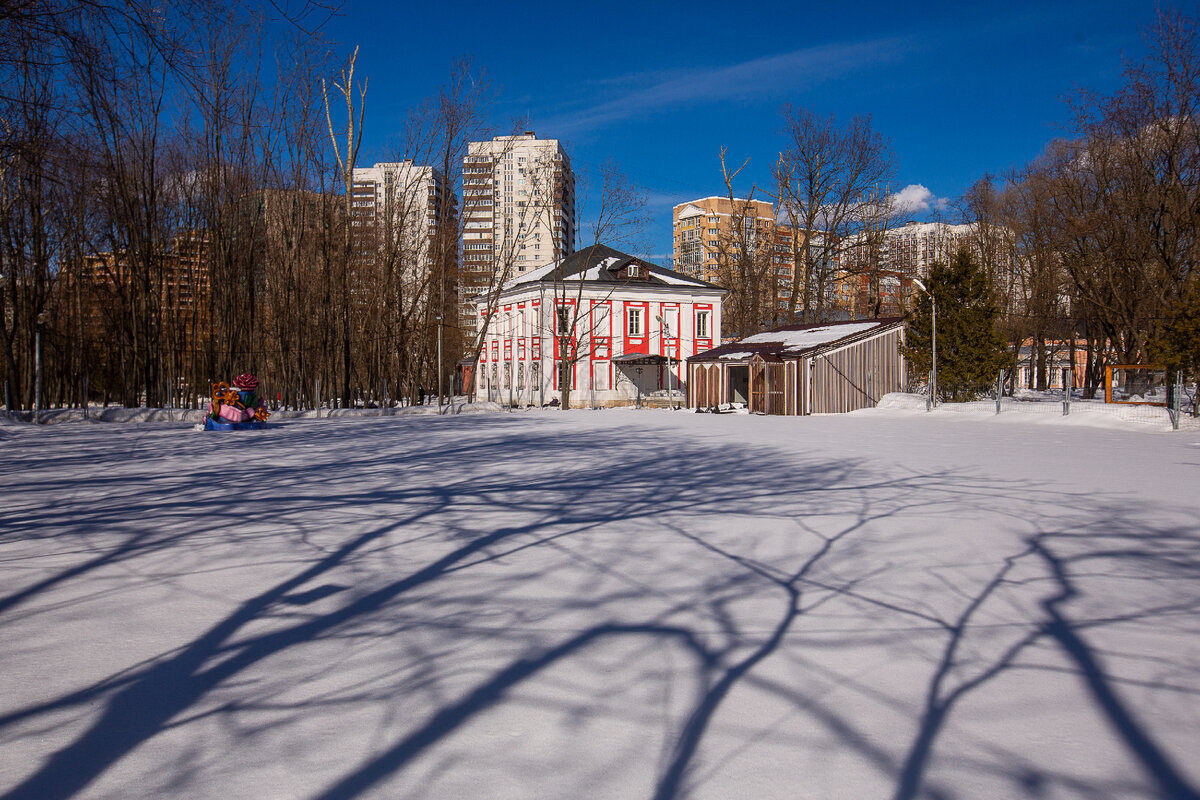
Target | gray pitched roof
(602,264)
(794,341)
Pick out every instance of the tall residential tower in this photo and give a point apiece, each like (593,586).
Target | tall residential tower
(518,211)
(398,205)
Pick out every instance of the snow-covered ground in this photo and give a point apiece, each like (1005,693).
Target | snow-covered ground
(610,604)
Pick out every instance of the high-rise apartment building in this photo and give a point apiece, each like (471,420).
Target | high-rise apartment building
(704,232)
(518,210)
(706,237)
(892,258)
(180,283)
(398,204)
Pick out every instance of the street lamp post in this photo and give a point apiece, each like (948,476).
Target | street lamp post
(666,340)
(933,382)
(37,366)
(439,367)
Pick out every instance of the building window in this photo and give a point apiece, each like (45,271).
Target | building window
(564,321)
(600,321)
(702,325)
(633,326)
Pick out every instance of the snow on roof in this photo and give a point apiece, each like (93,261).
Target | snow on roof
(809,337)
(602,264)
(743,354)
(532,275)
(676,280)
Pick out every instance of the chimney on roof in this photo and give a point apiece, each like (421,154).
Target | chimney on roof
(531,133)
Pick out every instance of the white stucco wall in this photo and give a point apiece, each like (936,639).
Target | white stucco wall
(518,358)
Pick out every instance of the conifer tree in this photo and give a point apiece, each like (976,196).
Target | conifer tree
(1179,347)
(970,351)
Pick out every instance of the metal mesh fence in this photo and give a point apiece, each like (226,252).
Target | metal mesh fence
(1051,403)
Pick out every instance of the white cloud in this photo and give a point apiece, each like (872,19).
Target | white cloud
(915,198)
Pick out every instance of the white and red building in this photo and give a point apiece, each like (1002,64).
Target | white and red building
(625,326)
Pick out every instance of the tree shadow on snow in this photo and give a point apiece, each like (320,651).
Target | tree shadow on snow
(492,491)
(1107,542)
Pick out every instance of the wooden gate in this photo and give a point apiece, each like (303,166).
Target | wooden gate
(766,387)
(758,388)
(700,386)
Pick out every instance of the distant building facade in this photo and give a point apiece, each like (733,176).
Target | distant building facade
(518,210)
(706,236)
(398,206)
(901,254)
(180,275)
(703,229)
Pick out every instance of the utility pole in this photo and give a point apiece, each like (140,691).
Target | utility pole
(666,341)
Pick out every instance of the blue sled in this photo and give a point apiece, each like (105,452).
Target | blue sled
(212,425)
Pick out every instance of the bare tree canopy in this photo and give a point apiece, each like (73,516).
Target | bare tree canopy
(828,176)
(1094,244)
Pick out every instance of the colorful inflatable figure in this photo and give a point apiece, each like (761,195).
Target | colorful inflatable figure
(237,407)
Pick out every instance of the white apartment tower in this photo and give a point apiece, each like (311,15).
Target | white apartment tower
(518,210)
(398,204)
(898,255)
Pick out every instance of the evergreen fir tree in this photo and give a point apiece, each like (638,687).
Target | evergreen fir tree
(1178,349)
(970,351)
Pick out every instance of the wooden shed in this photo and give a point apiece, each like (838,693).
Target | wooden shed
(821,368)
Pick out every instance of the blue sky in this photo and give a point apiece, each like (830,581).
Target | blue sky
(960,89)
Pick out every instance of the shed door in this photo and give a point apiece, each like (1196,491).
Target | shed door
(759,395)
(739,384)
(775,401)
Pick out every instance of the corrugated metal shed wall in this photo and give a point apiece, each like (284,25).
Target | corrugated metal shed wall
(857,375)
(803,382)
(849,378)
(789,387)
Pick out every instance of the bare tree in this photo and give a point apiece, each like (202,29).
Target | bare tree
(745,260)
(1124,191)
(155,167)
(1041,310)
(826,177)
(865,267)
(347,157)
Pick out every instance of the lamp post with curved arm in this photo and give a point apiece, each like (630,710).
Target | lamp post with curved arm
(933,379)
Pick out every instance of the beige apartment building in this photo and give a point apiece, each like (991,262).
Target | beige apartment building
(518,211)
(705,235)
